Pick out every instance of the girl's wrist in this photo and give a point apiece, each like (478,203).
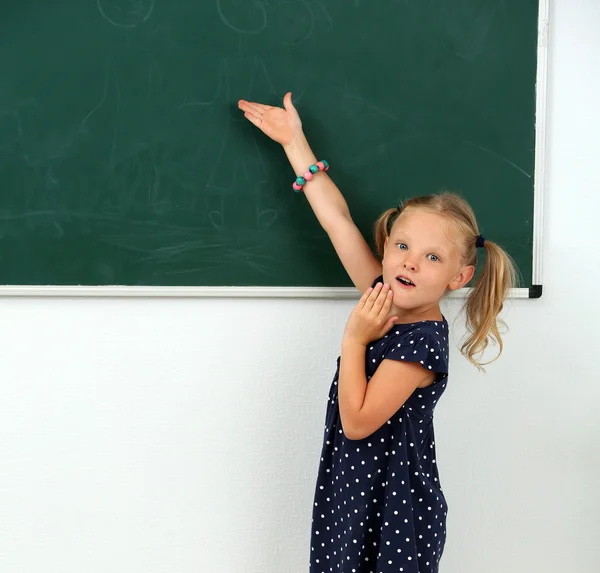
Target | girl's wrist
(299,154)
(298,144)
(352,343)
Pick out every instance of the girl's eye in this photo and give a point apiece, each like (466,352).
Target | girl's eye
(402,246)
(434,258)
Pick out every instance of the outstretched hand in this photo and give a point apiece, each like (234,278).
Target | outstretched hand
(370,318)
(282,125)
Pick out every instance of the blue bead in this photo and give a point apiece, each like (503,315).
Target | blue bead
(313,169)
(301,181)
(325,163)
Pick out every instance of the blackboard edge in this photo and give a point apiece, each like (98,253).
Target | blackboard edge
(338,293)
(535,291)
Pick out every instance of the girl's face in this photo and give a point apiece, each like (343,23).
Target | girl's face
(421,262)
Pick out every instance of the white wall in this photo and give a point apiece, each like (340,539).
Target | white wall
(155,436)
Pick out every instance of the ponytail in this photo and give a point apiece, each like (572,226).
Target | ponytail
(485,302)
(383,227)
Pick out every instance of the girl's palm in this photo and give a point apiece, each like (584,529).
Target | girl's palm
(280,124)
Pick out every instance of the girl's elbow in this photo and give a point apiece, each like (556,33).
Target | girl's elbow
(355,433)
(360,428)
(357,427)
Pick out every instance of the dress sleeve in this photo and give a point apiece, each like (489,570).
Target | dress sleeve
(426,347)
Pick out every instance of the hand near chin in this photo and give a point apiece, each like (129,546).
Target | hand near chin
(370,318)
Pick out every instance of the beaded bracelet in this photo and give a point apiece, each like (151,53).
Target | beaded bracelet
(312,170)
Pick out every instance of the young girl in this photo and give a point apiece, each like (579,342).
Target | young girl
(379,507)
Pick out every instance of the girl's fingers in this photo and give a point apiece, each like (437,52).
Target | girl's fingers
(372,298)
(257,121)
(364,297)
(388,301)
(244,105)
(249,113)
(256,109)
(287,102)
(383,298)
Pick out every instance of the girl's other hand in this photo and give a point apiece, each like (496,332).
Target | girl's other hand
(282,125)
(370,318)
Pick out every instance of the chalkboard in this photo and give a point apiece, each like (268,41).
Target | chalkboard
(125,161)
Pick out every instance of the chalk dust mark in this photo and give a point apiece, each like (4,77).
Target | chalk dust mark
(14,112)
(224,141)
(50,178)
(93,111)
(60,230)
(114,141)
(259,155)
(498,156)
(270,83)
(125,246)
(470,37)
(291,24)
(347,93)
(166,254)
(221,175)
(199,103)
(126,13)
(265,218)
(158,77)
(11,126)
(54,213)
(252,4)
(217,263)
(260,268)
(325,12)
(217,218)
(153,184)
(241,257)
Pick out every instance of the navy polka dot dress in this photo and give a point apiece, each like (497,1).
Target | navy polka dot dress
(379,507)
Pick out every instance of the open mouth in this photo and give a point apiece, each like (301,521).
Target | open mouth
(405,282)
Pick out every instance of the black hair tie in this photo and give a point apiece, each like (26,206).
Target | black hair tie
(480,242)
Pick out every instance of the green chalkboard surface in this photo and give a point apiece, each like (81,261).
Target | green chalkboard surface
(125,161)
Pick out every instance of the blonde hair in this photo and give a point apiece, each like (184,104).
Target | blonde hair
(486,300)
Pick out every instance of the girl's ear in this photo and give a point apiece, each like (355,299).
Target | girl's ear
(385,244)
(462,278)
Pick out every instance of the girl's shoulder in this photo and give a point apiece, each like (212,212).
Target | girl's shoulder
(434,330)
(424,342)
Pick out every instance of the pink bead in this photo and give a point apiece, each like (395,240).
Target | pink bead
(320,165)
(308,176)
(296,186)
(327,168)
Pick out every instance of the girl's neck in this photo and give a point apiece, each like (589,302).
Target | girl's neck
(432,312)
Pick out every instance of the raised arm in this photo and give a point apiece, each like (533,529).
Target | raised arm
(326,200)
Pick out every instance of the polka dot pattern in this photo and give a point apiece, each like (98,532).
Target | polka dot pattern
(379,506)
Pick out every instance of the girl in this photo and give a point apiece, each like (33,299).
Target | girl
(379,507)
